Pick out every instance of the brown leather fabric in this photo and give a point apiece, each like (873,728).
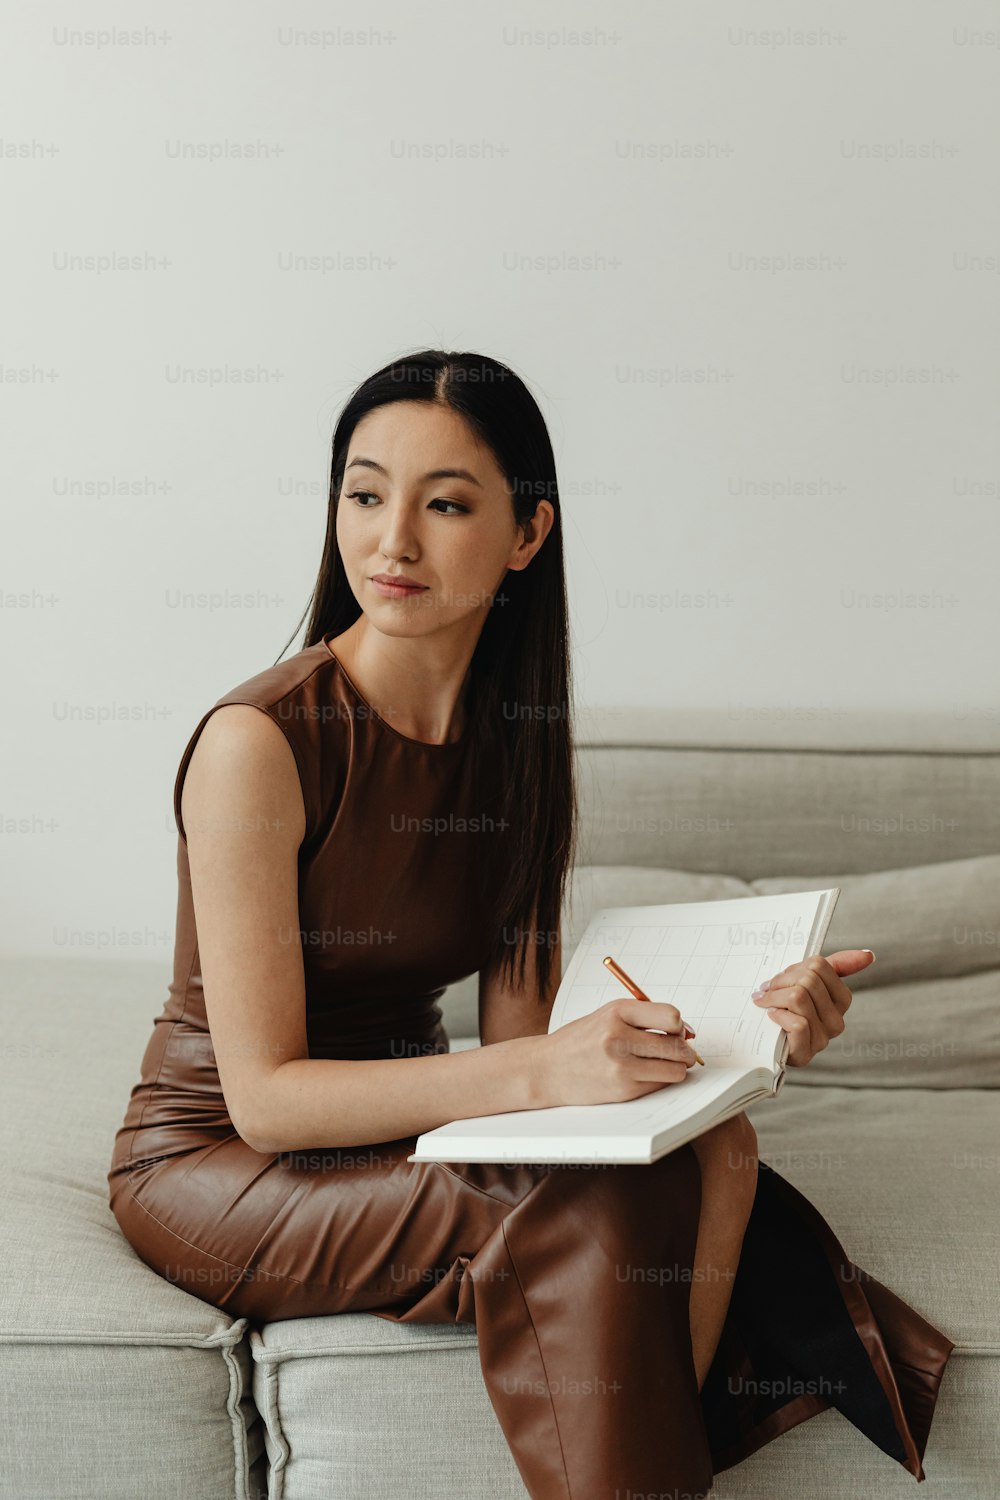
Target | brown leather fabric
(577,1278)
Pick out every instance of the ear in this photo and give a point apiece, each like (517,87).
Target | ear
(534,531)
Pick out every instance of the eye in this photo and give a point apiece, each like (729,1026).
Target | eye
(462,510)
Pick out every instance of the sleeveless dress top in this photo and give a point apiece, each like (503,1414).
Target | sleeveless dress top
(390,906)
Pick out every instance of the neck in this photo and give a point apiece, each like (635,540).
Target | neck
(417,684)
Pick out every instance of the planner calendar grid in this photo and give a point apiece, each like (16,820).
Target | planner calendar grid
(707,970)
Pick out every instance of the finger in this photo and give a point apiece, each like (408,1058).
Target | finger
(850,960)
(835,986)
(799,1037)
(796,994)
(657,1073)
(631,1042)
(634,1041)
(668,1048)
(795,1000)
(795,973)
(806,991)
(650,1015)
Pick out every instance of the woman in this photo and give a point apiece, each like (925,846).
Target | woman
(392,809)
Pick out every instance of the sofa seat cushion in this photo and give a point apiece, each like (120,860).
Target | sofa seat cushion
(347,1397)
(113,1383)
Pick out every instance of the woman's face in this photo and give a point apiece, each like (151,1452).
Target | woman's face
(399,515)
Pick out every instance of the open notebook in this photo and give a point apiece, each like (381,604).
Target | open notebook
(705,957)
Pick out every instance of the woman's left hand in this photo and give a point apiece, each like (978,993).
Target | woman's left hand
(808,1000)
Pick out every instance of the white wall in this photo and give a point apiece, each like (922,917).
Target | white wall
(811,448)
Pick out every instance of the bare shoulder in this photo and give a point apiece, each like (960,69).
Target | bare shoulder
(242,777)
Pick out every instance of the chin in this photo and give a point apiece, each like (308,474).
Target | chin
(386,623)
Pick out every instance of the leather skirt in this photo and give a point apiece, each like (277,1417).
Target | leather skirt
(577,1279)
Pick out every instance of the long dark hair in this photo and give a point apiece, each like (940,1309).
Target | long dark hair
(519,695)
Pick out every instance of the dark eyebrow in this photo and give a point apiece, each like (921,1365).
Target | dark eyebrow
(369,463)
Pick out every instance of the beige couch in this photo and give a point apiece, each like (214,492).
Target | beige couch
(117,1385)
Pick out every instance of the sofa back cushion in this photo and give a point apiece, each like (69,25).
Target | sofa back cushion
(704,805)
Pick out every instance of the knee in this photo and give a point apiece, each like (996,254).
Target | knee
(733,1143)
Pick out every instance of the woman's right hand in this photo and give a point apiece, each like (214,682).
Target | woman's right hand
(609,1055)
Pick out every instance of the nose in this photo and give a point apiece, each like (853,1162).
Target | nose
(398,541)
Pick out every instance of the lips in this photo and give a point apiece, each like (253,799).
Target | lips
(398,581)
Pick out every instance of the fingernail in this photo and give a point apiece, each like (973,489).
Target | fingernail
(868,950)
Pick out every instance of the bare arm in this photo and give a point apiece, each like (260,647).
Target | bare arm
(506,1012)
(242,811)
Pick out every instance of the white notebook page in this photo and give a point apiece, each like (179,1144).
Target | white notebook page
(705,958)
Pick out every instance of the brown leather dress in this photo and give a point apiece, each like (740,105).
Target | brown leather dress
(585,1353)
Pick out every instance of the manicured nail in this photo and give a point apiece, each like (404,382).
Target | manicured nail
(867,950)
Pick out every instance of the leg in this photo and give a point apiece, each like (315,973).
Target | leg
(727,1156)
(808,1329)
(576,1278)
(581,1298)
